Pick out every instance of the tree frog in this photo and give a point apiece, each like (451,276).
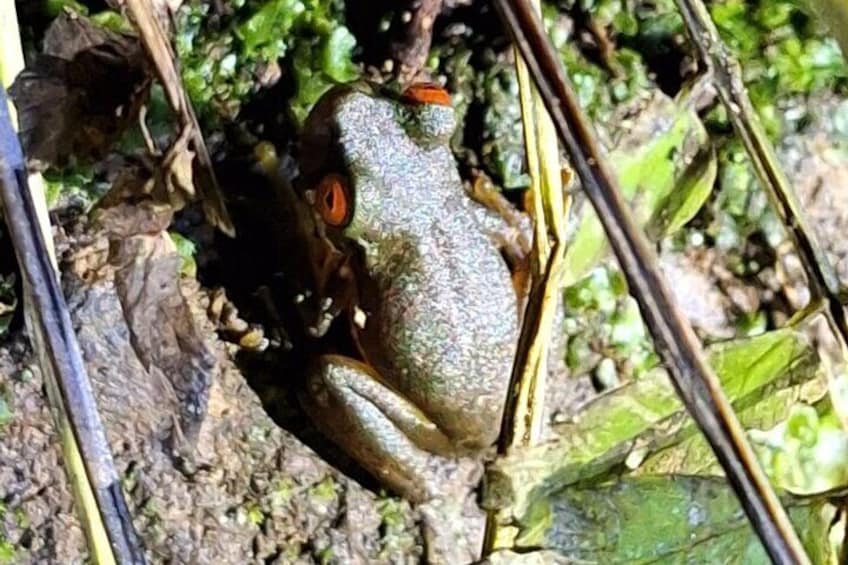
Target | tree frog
(441,319)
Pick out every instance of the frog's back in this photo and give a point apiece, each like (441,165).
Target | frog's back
(450,331)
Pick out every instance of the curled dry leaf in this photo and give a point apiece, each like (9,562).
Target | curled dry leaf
(163,183)
(157,43)
(225,315)
(178,172)
(144,268)
(81,93)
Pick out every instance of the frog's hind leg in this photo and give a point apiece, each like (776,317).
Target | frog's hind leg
(378,427)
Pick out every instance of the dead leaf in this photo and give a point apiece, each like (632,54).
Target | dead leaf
(82,92)
(156,42)
(136,204)
(143,269)
(178,172)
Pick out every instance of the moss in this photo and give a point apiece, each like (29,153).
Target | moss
(8,554)
(483,82)
(257,435)
(282,490)
(325,491)
(325,556)
(392,513)
(224,57)
(784,53)
(151,512)
(603,322)
(186,249)
(75,184)
(395,533)
(254,513)
(5,411)
(55,7)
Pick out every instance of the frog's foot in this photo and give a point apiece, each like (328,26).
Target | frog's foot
(378,427)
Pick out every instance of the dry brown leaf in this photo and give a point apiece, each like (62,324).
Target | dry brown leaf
(144,266)
(156,42)
(82,92)
(178,172)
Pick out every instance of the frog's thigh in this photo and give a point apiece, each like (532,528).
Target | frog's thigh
(382,430)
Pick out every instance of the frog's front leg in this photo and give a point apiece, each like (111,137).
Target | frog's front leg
(508,227)
(377,426)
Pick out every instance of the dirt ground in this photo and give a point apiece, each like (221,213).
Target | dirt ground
(225,485)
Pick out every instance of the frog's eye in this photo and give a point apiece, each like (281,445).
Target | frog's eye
(332,200)
(427,93)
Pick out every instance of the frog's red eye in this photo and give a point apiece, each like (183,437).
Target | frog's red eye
(427,93)
(332,200)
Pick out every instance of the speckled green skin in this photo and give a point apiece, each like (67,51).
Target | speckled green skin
(441,339)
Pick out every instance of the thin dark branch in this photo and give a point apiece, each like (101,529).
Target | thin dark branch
(55,341)
(726,77)
(673,337)
(413,47)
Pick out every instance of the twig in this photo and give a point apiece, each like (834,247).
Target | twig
(412,49)
(52,334)
(159,49)
(523,414)
(525,406)
(97,532)
(12,63)
(673,336)
(716,62)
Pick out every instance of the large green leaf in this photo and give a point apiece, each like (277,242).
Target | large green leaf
(662,519)
(693,455)
(645,416)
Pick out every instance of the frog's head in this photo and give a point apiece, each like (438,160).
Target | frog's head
(377,165)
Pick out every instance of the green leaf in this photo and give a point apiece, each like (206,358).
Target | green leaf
(665,169)
(687,197)
(186,249)
(645,416)
(7,552)
(694,456)
(337,52)
(667,519)
(55,7)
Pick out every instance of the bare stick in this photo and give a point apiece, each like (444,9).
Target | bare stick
(55,342)
(673,336)
(726,76)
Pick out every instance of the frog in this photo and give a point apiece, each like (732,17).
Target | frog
(437,312)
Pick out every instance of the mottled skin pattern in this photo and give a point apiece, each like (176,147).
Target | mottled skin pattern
(440,342)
